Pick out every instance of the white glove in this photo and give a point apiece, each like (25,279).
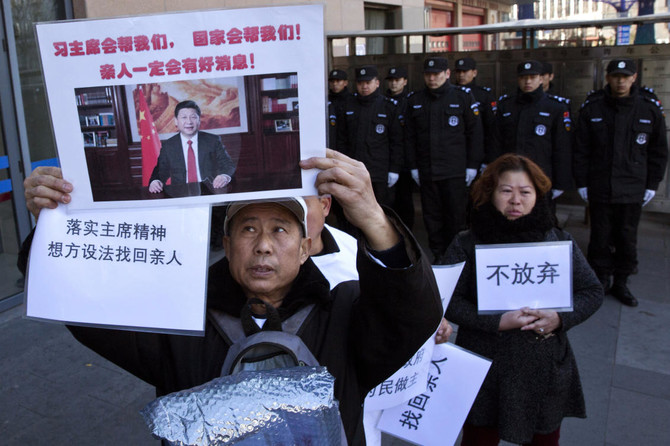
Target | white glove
(555,193)
(648,195)
(415,176)
(482,167)
(583,192)
(393,178)
(470,175)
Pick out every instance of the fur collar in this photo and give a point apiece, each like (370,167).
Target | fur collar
(490,226)
(223,293)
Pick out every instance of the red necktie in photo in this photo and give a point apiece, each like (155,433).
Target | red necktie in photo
(190,167)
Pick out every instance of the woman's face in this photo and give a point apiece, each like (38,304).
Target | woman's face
(514,196)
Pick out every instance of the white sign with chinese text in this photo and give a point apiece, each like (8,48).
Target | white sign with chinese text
(436,416)
(409,380)
(134,269)
(534,275)
(257,75)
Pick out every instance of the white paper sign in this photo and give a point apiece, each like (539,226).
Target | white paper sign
(409,380)
(131,269)
(436,416)
(513,276)
(262,68)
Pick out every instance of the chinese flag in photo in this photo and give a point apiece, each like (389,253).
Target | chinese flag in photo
(151,144)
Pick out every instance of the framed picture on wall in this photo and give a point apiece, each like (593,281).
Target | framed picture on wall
(283,125)
(222,103)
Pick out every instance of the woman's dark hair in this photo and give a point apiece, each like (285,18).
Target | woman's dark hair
(482,190)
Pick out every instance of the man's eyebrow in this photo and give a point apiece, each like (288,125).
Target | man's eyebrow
(281,220)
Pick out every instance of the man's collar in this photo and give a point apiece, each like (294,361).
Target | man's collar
(329,243)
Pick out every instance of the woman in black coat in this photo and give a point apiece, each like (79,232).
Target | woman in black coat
(533,382)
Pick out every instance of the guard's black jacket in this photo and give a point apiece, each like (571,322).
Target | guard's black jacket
(370,132)
(444,132)
(621,147)
(538,125)
(336,103)
(401,107)
(488,106)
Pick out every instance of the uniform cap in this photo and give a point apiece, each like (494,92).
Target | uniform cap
(529,67)
(547,68)
(296,205)
(366,73)
(435,65)
(465,64)
(396,73)
(624,66)
(337,75)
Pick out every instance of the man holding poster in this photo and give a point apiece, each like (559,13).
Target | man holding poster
(362,332)
(191,156)
(533,382)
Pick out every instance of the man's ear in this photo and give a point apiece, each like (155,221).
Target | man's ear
(326,202)
(226,244)
(305,247)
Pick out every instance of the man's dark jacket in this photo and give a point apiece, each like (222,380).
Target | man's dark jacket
(370,132)
(621,147)
(537,125)
(444,132)
(362,332)
(336,104)
(488,106)
(213,160)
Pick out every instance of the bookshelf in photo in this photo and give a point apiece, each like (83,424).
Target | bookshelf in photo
(279,103)
(95,106)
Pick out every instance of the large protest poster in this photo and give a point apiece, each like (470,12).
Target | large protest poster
(534,275)
(137,269)
(257,75)
(436,416)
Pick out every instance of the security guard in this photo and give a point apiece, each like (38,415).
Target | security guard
(537,125)
(465,75)
(621,152)
(547,77)
(444,140)
(403,203)
(370,132)
(338,92)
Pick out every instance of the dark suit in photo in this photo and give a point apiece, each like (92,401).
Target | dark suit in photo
(213,160)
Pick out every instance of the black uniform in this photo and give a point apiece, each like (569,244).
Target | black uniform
(620,151)
(488,106)
(403,202)
(336,104)
(370,132)
(444,137)
(537,125)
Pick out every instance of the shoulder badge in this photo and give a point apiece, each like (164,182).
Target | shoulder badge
(465,89)
(410,94)
(503,98)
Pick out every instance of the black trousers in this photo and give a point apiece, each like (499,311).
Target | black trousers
(443,204)
(403,204)
(613,240)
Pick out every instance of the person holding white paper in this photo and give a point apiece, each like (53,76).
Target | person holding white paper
(362,332)
(533,382)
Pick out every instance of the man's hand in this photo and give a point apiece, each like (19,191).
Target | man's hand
(584,193)
(46,188)
(392,178)
(444,332)
(349,182)
(470,175)
(221,181)
(156,186)
(415,176)
(555,193)
(648,195)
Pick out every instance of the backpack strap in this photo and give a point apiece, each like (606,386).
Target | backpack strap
(230,327)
